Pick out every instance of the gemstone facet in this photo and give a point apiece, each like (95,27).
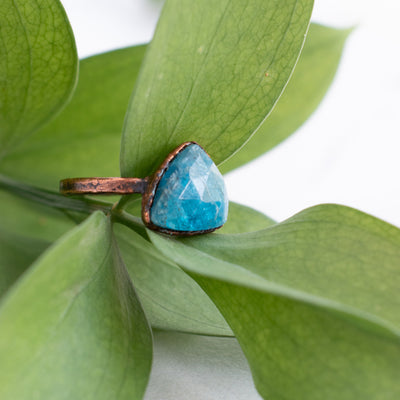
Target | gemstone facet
(191,195)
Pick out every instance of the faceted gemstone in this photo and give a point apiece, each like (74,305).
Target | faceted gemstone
(191,195)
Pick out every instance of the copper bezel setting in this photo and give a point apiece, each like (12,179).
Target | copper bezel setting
(149,194)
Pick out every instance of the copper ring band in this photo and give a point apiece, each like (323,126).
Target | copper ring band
(103,185)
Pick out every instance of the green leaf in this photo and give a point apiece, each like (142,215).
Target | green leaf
(17,252)
(243,219)
(31,219)
(84,140)
(72,328)
(26,230)
(212,73)
(313,301)
(38,66)
(170,298)
(311,79)
(27,218)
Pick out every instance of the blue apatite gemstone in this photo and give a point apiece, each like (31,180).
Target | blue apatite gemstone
(191,195)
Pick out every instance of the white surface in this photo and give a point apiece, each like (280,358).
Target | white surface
(101,25)
(347,153)
(191,367)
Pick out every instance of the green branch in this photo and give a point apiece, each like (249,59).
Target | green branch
(67,203)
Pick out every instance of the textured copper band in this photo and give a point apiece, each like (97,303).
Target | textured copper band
(103,185)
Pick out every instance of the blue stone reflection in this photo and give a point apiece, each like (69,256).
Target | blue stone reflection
(191,195)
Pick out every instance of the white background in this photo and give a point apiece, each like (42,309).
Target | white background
(348,153)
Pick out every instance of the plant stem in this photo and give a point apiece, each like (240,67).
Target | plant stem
(129,220)
(53,199)
(67,203)
(123,202)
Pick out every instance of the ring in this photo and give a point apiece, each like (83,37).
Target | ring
(185,196)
